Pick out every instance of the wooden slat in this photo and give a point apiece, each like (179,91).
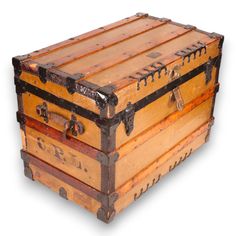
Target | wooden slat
(72,161)
(146,179)
(78,39)
(93,193)
(162,107)
(163,159)
(107,43)
(57,135)
(135,46)
(91,135)
(73,194)
(165,123)
(144,154)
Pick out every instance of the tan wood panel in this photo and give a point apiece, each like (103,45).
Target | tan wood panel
(161,167)
(163,124)
(128,67)
(72,194)
(60,92)
(146,153)
(64,158)
(127,49)
(100,39)
(91,135)
(90,34)
(161,108)
(130,93)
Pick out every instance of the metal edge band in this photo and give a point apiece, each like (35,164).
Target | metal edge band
(211,35)
(214,97)
(58,136)
(167,88)
(17,63)
(22,86)
(77,184)
(26,87)
(107,211)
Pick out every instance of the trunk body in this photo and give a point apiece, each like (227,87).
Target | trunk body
(105,115)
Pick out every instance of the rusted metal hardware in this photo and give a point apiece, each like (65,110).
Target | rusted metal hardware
(22,86)
(128,118)
(105,96)
(17,63)
(76,127)
(106,214)
(208,71)
(142,190)
(107,211)
(176,96)
(63,193)
(192,50)
(27,171)
(181,159)
(150,70)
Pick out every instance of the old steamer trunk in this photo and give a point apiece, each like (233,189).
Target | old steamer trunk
(105,115)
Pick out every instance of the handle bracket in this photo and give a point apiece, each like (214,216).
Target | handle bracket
(72,125)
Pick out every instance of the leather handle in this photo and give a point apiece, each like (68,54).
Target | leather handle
(76,127)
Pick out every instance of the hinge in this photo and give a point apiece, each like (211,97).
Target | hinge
(128,118)
(208,71)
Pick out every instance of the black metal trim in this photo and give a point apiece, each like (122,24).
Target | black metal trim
(105,122)
(16,62)
(56,100)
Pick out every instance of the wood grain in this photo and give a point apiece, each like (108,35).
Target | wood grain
(161,108)
(146,153)
(146,179)
(64,158)
(91,135)
(72,194)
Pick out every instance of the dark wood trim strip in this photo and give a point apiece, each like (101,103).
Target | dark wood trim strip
(91,192)
(26,87)
(23,86)
(57,135)
(106,64)
(167,88)
(129,184)
(84,36)
(172,118)
(110,42)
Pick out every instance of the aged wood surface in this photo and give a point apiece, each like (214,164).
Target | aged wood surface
(91,134)
(64,158)
(110,55)
(165,123)
(161,108)
(148,177)
(128,92)
(93,85)
(60,92)
(144,154)
(73,194)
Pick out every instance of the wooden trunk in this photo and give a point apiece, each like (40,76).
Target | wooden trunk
(105,115)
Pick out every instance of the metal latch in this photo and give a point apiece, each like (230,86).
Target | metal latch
(208,71)
(176,94)
(128,118)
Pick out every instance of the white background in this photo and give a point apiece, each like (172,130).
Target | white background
(197,198)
